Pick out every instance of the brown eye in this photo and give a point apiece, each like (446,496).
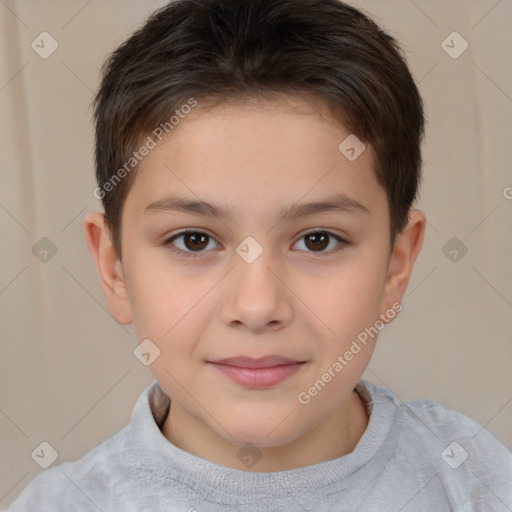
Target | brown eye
(317,241)
(190,243)
(195,241)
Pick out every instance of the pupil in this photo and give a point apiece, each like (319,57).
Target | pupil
(323,239)
(195,237)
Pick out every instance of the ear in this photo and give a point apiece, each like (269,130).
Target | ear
(407,247)
(109,267)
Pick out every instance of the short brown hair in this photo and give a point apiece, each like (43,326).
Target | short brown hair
(228,49)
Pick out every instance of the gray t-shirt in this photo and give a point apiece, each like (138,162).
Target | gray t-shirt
(413,456)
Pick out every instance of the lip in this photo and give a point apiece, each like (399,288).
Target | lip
(258,372)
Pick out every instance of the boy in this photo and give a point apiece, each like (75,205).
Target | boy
(283,139)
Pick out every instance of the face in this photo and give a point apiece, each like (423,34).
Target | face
(253,299)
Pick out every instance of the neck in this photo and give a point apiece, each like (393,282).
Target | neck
(336,436)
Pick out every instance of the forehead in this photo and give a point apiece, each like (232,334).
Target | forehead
(254,151)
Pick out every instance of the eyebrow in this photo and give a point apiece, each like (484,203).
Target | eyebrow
(338,202)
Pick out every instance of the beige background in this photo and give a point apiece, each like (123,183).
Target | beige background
(68,373)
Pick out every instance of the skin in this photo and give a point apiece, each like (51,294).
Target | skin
(296,299)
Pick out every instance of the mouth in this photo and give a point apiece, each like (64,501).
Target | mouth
(258,372)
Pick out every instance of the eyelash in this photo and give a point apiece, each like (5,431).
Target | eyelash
(168,243)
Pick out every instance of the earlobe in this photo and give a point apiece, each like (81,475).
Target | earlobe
(405,251)
(109,267)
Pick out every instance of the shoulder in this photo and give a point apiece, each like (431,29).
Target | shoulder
(84,484)
(464,459)
(111,471)
(431,419)
(428,420)
(472,465)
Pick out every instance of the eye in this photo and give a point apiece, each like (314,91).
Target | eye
(317,241)
(193,242)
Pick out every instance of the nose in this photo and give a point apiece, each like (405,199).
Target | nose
(259,299)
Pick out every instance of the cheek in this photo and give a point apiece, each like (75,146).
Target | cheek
(348,304)
(172,311)
(352,297)
(165,303)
